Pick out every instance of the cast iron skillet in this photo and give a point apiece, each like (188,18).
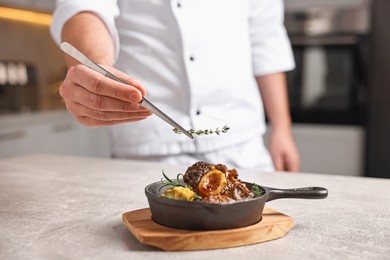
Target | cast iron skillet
(212,216)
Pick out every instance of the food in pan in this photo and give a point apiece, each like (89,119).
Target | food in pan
(213,183)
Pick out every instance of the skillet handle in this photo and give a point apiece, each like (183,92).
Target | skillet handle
(298,193)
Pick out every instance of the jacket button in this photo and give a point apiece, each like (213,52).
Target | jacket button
(192,58)
(178,4)
(198,112)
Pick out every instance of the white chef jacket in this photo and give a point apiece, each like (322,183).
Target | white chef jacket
(197,59)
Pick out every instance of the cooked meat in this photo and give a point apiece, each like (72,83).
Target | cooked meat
(216,183)
(233,175)
(240,191)
(212,183)
(194,173)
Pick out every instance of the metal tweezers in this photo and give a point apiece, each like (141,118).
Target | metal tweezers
(75,53)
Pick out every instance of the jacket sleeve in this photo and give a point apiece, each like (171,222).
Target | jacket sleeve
(107,10)
(271,48)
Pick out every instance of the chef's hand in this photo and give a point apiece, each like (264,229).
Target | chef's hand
(283,151)
(95,100)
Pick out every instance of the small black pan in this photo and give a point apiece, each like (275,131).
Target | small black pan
(198,215)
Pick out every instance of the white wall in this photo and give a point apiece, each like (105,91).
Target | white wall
(330,149)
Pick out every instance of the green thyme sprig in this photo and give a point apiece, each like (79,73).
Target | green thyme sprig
(166,181)
(197,198)
(257,191)
(205,132)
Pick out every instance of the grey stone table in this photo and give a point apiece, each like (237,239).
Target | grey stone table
(59,207)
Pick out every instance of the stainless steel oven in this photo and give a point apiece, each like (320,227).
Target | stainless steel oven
(328,88)
(329,83)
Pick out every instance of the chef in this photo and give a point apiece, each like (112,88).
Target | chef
(205,63)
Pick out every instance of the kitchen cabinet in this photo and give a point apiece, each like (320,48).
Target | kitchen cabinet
(378,112)
(50,132)
(330,149)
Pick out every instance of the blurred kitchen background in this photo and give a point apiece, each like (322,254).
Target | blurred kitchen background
(339,92)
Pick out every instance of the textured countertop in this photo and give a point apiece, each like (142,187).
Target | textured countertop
(60,207)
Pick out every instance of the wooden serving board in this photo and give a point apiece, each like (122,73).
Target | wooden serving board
(273,225)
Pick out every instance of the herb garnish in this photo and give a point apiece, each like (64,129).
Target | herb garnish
(166,181)
(257,191)
(197,197)
(204,132)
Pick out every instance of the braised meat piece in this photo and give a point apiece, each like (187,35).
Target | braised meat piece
(215,183)
(194,173)
(238,191)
